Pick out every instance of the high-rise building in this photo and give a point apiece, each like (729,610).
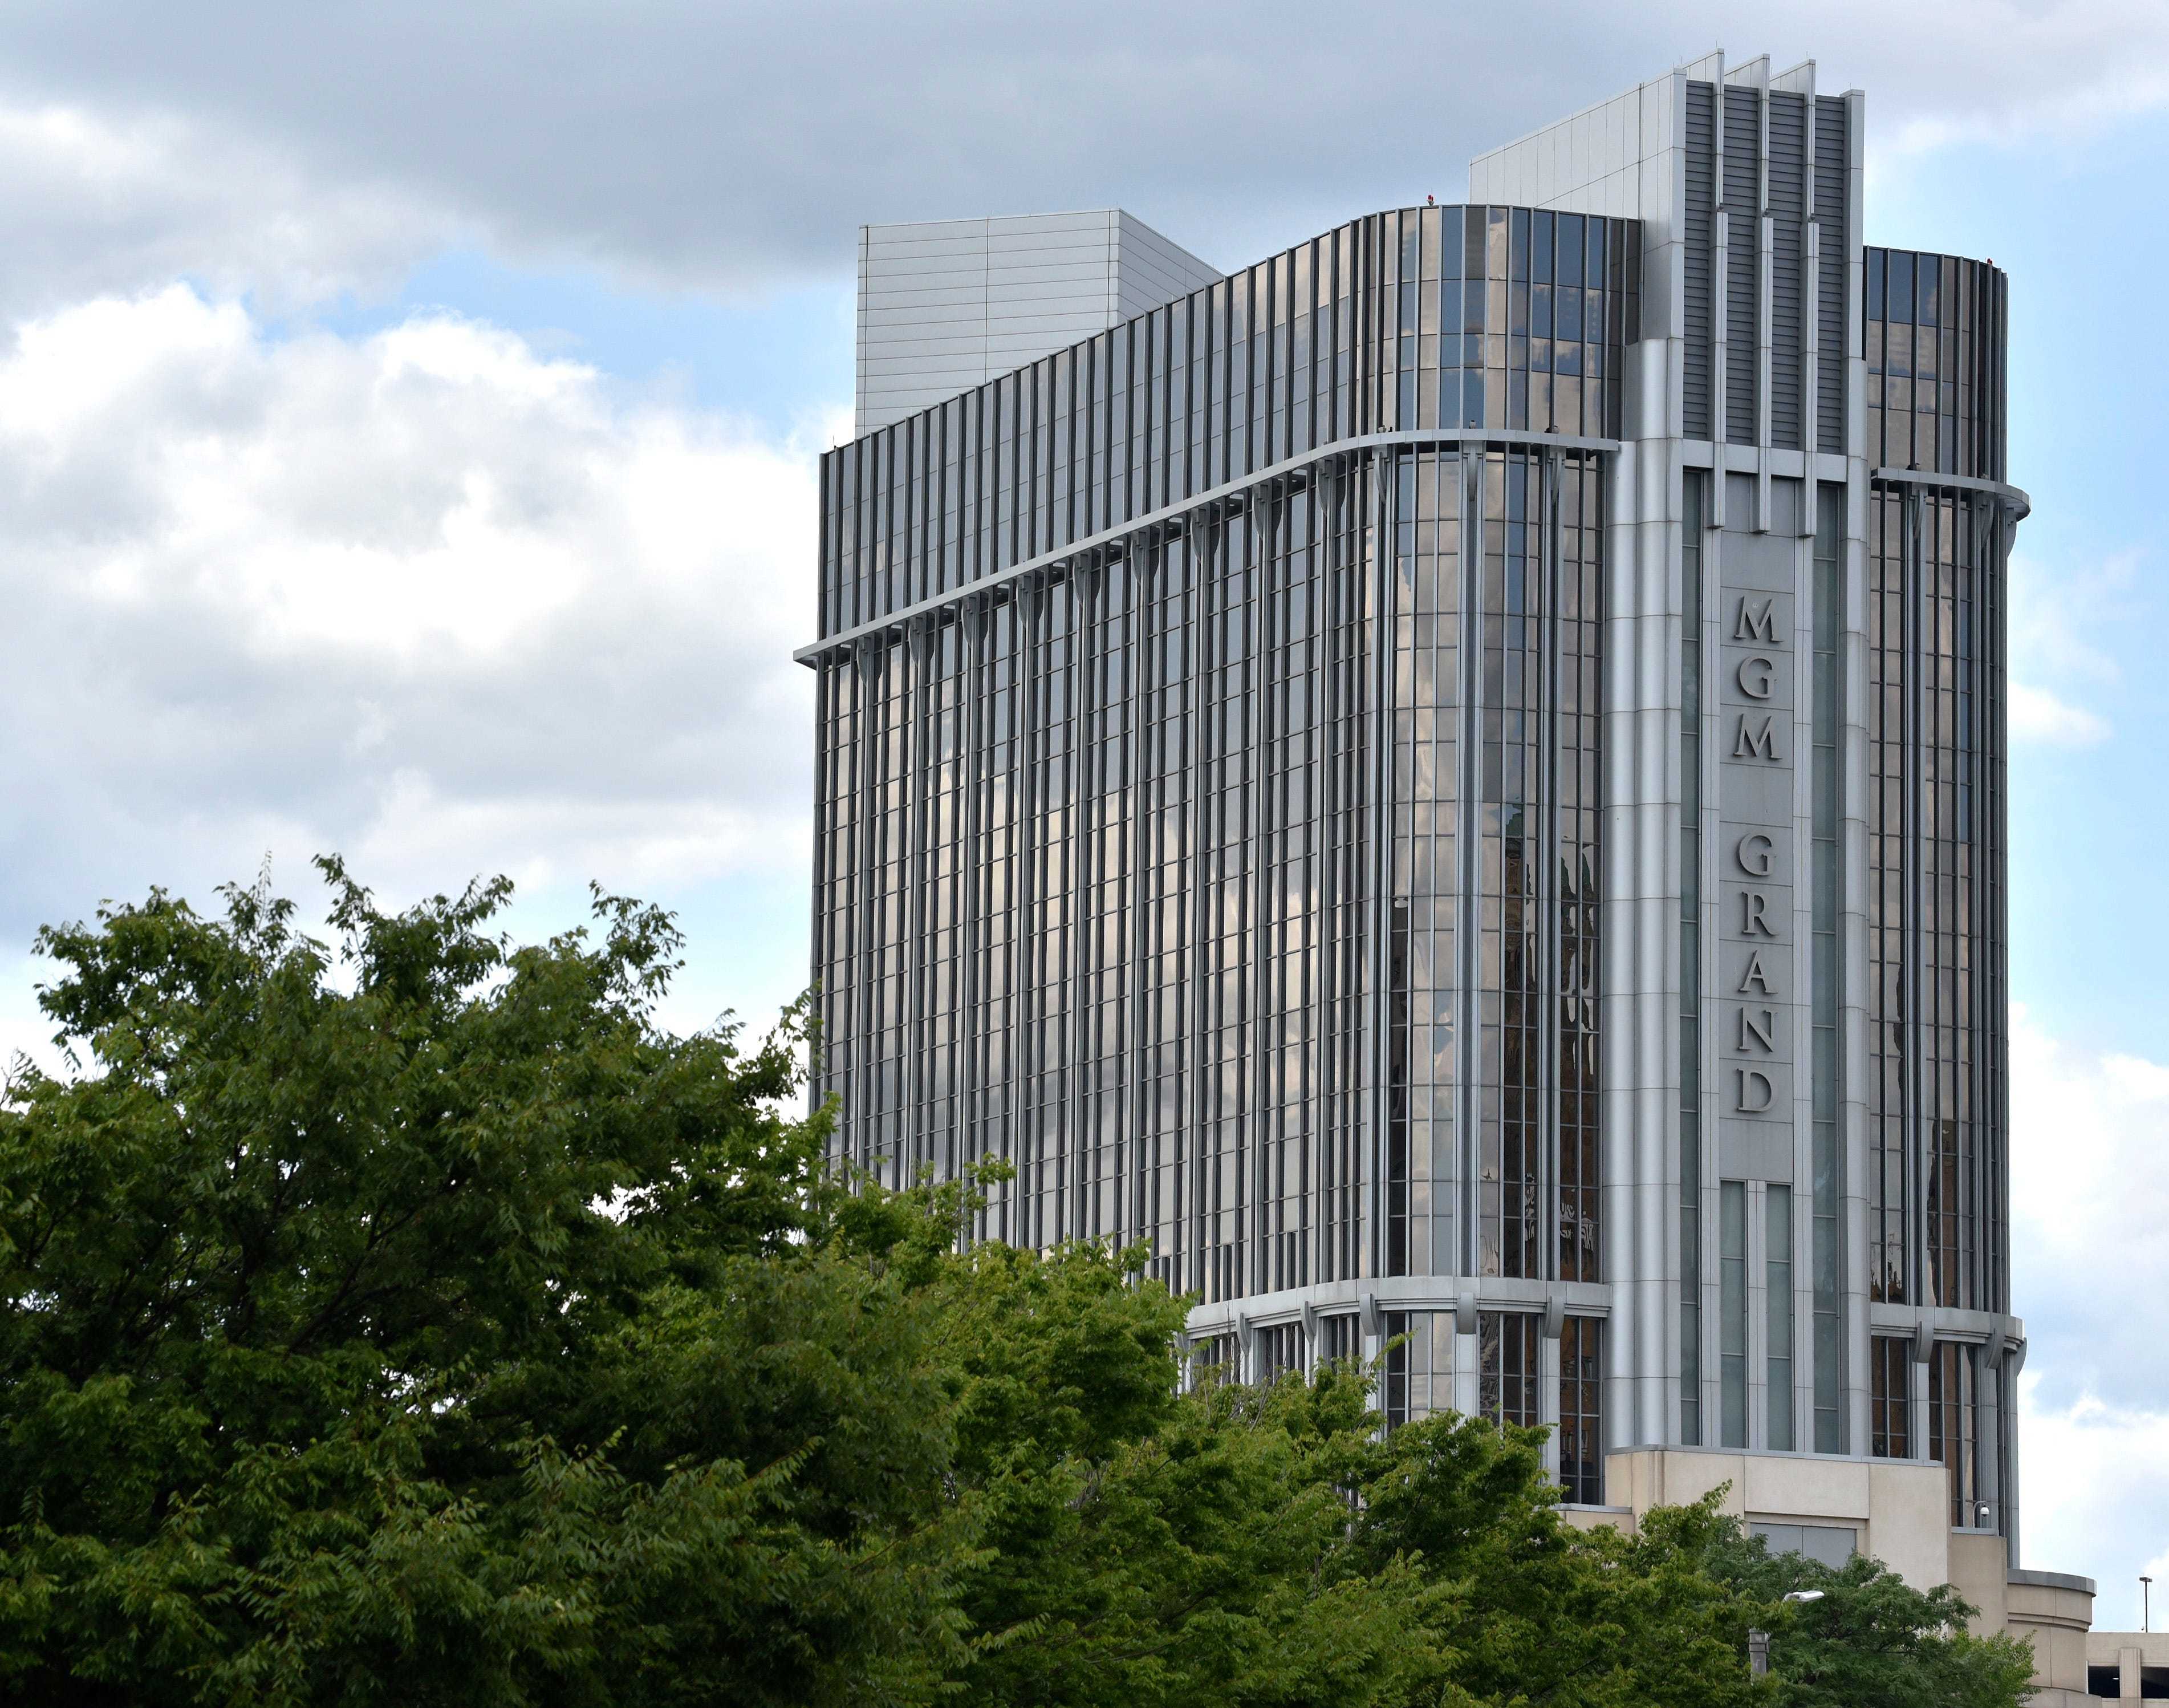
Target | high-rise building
(1450,785)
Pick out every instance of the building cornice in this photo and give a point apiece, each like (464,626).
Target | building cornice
(2022,505)
(895,622)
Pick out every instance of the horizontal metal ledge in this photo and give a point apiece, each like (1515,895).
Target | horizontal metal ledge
(1946,1322)
(2014,496)
(1500,436)
(1417,1292)
(2026,1577)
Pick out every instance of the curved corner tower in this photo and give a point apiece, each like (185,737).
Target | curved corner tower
(1451,784)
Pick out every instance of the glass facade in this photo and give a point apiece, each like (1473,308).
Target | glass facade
(1104,851)
(1732,1313)
(1214,1358)
(1496,802)
(1934,342)
(1938,538)
(1777,1299)
(1417,1378)
(1102,862)
(1825,1253)
(1581,1422)
(1278,1352)
(1695,510)
(1210,797)
(1340,1338)
(1060,828)
(1937,563)
(1507,1367)
(1423,318)
(1954,1432)
(1889,1396)
(1889,1177)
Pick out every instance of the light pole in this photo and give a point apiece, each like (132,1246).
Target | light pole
(1758,1641)
(2146,1602)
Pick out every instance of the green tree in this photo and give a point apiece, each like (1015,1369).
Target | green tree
(1871,1640)
(1143,1545)
(1544,1612)
(419,1321)
(456,1336)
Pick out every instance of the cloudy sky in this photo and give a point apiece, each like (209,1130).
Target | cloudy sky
(407,417)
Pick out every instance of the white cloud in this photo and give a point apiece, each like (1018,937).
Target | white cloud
(2065,617)
(2094,1497)
(107,196)
(26,1033)
(2090,1178)
(2059,610)
(2089,1172)
(425,597)
(721,147)
(2037,715)
(2064,73)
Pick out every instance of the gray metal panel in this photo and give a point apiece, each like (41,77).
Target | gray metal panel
(1151,270)
(1788,196)
(1700,250)
(947,304)
(1835,338)
(1740,126)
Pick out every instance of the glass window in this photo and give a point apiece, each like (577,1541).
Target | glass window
(1506,1367)
(1890,1402)
(1827,1339)
(1955,1400)
(1690,569)
(1570,250)
(1581,1424)
(1418,1378)
(1777,1265)
(1279,1351)
(1900,294)
(1732,1312)
(1340,1338)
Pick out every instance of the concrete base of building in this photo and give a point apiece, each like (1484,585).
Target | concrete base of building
(2053,1610)
(1830,1507)
(2127,1666)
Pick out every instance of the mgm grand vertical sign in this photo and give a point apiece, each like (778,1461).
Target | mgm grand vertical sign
(1761,576)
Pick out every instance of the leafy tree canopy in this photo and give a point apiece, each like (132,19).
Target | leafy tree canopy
(417,1321)
(1870,1639)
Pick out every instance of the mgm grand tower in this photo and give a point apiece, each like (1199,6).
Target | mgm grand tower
(1450,786)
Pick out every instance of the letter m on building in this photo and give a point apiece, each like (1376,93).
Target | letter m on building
(1758,742)
(1757,622)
